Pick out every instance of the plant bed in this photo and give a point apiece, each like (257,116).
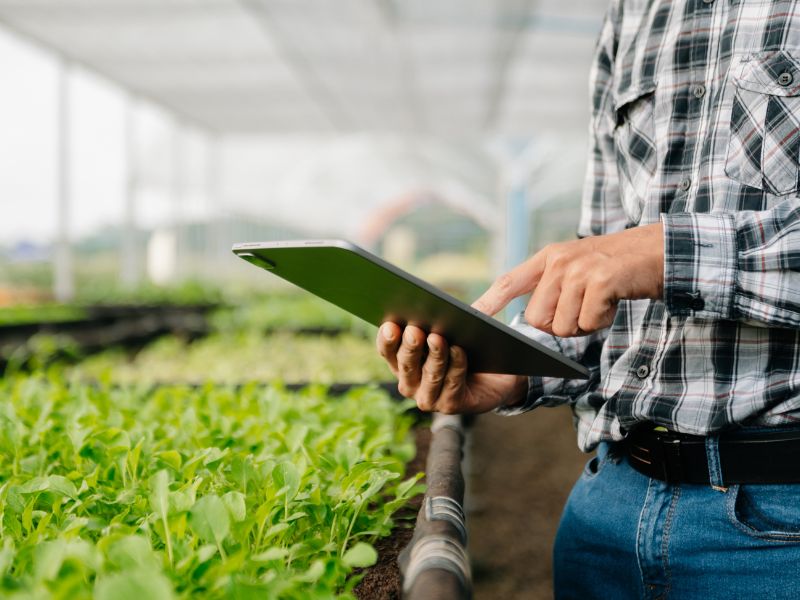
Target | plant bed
(383,580)
(289,313)
(99,328)
(32,314)
(234,357)
(55,318)
(175,491)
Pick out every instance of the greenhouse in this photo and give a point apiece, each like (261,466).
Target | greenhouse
(176,422)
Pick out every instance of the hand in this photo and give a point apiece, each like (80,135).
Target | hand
(576,285)
(439,381)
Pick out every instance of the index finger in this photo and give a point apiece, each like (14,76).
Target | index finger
(518,281)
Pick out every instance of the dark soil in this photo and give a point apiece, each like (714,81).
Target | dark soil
(382,581)
(522,469)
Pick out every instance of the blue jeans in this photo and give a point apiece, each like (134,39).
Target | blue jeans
(624,535)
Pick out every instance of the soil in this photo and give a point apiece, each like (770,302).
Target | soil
(520,472)
(382,581)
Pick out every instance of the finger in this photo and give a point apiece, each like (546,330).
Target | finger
(542,305)
(518,281)
(409,360)
(387,342)
(598,308)
(454,387)
(433,372)
(568,311)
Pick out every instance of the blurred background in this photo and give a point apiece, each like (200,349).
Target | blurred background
(140,139)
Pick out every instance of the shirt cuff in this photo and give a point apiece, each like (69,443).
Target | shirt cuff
(700,264)
(540,389)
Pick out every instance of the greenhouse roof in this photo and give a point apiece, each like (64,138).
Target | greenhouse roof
(446,67)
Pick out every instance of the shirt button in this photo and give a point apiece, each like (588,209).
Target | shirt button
(785,78)
(699,91)
(643,371)
(685,184)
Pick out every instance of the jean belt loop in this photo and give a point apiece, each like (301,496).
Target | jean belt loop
(714,466)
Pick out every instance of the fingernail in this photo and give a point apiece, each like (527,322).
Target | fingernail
(430,344)
(388,334)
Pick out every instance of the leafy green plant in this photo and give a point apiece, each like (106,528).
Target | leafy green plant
(282,311)
(121,492)
(239,357)
(186,293)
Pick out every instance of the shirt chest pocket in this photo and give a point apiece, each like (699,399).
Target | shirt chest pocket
(635,146)
(764,149)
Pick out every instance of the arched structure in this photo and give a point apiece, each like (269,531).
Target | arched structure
(375,224)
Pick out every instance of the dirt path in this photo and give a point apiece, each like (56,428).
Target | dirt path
(520,473)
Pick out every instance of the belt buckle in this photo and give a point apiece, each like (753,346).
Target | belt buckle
(668,447)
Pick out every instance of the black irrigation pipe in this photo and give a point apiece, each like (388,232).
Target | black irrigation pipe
(435,564)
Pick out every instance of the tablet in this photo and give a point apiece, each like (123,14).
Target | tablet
(376,291)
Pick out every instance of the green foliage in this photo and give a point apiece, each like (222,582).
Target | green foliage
(188,293)
(120,492)
(39,352)
(285,312)
(40,313)
(235,358)
(185,293)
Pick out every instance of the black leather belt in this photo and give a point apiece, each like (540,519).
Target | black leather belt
(764,457)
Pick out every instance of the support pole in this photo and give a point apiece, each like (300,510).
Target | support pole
(64,278)
(129,263)
(220,250)
(517,233)
(521,160)
(178,199)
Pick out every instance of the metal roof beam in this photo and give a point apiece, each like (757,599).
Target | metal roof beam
(327,102)
(387,17)
(75,61)
(500,74)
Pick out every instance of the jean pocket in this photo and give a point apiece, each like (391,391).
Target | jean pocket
(766,511)
(591,468)
(595,464)
(764,149)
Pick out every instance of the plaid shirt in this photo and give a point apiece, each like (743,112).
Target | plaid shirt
(696,122)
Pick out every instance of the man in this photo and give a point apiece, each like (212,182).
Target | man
(683,298)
